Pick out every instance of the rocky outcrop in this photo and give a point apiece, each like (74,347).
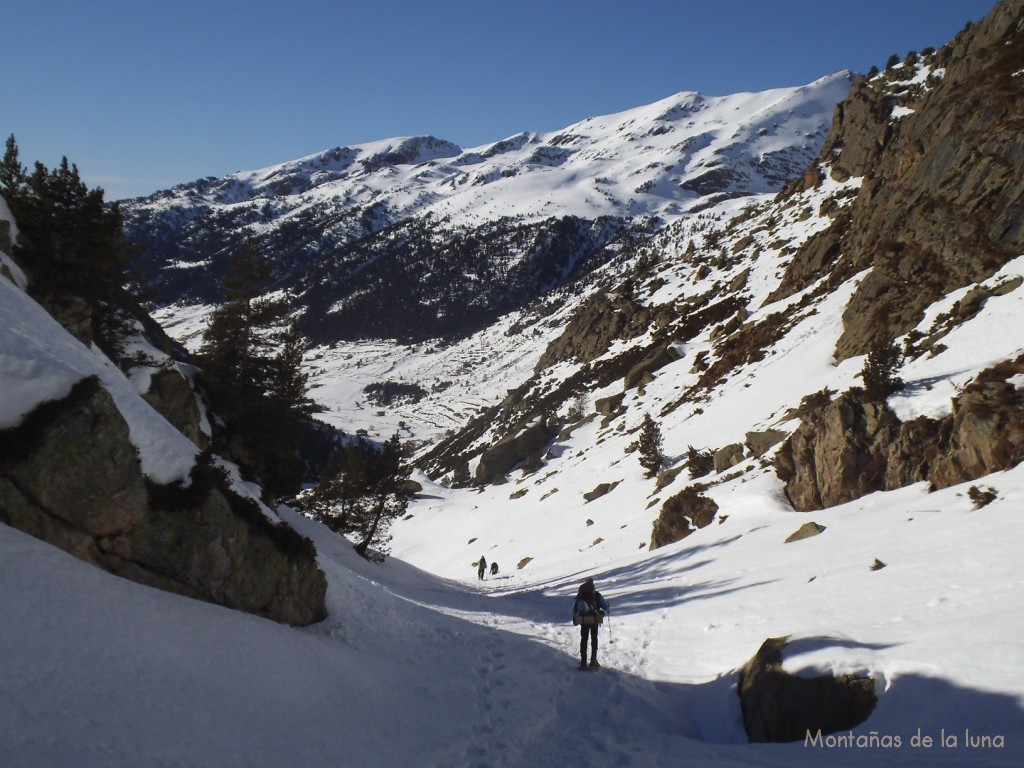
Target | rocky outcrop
(681,515)
(761,442)
(780,707)
(941,205)
(172,397)
(643,372)
(603,489)
(727,457)
(70,475)
(526,446)
(837,454)
(598,322)
(848,447)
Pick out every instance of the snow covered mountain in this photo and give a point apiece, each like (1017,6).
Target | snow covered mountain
(461,237)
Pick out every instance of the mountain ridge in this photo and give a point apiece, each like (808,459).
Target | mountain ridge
(327,215)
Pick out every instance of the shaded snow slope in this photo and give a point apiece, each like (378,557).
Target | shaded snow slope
(412,669)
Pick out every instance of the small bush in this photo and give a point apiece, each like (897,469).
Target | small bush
(981,498)
(700,463)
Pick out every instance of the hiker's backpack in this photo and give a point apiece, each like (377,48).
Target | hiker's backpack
(584,613)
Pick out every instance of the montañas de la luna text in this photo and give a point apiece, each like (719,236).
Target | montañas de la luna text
(876,740)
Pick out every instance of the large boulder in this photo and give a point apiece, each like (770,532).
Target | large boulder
(780,707)
(643,372)
(70,475)
(727,457)
(681,515)
(838,453)
(986,429)
(761,442)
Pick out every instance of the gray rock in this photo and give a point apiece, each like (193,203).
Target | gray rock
(172,397)
(760,443)
(74,480)
(727,457)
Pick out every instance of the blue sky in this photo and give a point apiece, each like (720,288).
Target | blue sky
(143,95)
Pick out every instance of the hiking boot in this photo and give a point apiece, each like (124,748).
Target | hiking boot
(594,664)
(583,665)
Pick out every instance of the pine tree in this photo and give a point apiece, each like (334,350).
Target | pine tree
(881,368)
(651,457)
(461,477)
(251,360)
(384,501)
(71,243)
(12,172)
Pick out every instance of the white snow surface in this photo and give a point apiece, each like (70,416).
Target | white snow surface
(40,361)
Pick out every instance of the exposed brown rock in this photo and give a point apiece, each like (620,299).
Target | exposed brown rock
(942,201)
(727,457)
(846,448)
(805,531)
(681,515)
(780,707)
(498,460)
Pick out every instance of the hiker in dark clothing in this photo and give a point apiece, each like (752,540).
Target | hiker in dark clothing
(590,620)
(481,568)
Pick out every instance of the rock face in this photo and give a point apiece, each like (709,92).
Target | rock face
(681,515)
(170,394)
(779,707)
(847,447)
(503,456)
(70,475)
(941,204)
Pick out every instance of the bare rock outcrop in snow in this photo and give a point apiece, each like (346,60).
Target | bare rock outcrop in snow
(780,707)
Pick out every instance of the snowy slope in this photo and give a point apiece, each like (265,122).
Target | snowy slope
(413,669)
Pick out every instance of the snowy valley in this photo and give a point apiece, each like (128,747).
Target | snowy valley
(731,263)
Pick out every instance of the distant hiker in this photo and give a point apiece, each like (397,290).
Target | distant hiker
(481,567)
(494,569)
(588,612)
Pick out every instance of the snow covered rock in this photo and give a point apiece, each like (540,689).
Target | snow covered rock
(780,707)
(70,475)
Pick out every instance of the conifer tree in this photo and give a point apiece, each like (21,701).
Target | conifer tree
(251,359)
(652,459)
(881,368)
(384,500)
(71,243)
